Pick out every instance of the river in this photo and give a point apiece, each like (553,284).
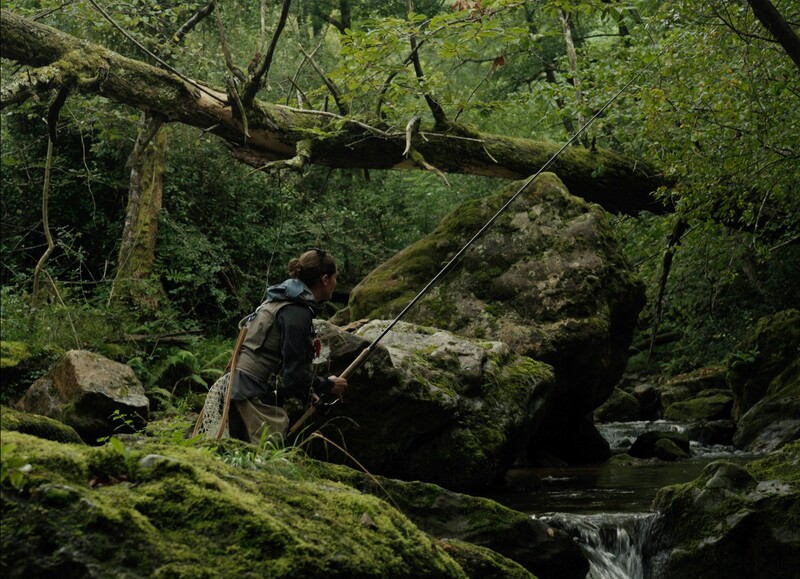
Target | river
(607,507)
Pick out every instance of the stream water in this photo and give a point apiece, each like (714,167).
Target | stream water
(606,508)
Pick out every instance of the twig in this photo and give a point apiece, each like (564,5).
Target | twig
(293,80)
(189,25)
(332,88)
(235,70)
(436,108)
(253,85)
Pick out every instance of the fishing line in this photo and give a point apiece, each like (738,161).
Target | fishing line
(446,269)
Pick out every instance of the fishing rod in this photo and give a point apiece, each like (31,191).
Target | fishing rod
(361,358)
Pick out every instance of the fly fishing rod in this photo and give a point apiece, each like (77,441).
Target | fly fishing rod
(361,358)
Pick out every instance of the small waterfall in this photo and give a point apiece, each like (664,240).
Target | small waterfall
(613,543)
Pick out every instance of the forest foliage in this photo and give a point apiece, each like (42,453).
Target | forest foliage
(714,104)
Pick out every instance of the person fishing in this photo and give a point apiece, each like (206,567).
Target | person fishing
(274,362)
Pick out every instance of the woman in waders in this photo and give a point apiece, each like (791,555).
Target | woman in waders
(275,359)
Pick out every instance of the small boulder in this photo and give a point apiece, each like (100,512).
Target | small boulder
(716,432)
(620,407)
(666,449)
(645,444)
(707,405)
(85,391)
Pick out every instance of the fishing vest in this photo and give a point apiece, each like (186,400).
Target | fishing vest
(260,355)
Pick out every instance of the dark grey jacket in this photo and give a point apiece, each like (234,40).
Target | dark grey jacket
(280,343)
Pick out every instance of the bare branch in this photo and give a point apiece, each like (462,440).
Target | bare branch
(436,108)
(293,80)
(235,70)
(255,82)
(189,25)
(55,111)
(332,88)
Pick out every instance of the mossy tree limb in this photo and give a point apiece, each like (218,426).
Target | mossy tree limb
(617,182)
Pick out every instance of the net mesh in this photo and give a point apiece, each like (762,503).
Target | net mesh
(214,407)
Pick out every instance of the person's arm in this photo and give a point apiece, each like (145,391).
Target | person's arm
(295,324)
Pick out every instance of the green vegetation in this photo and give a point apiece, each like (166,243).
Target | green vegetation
(716,113)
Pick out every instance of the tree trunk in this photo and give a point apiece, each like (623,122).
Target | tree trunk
(774,21)
(133,282)
(617,182)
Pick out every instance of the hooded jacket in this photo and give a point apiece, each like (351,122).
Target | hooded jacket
(279,344)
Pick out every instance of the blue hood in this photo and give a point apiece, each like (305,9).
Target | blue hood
(293,290)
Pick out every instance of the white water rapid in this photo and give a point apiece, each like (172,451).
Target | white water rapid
(613,543)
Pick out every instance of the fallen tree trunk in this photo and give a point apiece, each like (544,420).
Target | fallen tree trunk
(299,137)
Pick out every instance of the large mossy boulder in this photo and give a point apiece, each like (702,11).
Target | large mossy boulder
(775,419)
(759,358)
(86,391)
(432,406)
(548,278)
(177,511)
(764,374)
(733,522)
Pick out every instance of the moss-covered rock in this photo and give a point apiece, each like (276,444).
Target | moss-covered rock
(758,359)
(733,521)
(37,425)
(433,406)
(707,405)
(688,385)
(620,407)
(166,511)
(86,391)
(482,563)
(549,553)
(548,278)
(775,419)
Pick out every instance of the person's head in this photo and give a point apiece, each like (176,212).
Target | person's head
(317,269)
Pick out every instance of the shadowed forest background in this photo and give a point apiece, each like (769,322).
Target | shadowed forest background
(148,241)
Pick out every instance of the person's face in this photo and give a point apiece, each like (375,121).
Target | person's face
(328,286)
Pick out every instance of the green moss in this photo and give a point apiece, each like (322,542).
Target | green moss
(189,514)
(783,465)
(714,406)
(482,563)
(12,354)
(37,425)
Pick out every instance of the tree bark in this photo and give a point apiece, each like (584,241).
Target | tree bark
(774,21)
(138,248)
(617,182)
